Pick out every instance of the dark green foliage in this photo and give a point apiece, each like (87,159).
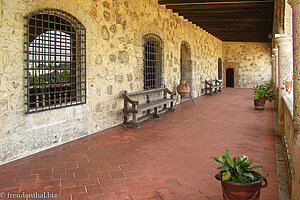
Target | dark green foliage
(49,74)
(237,169)
(263,91)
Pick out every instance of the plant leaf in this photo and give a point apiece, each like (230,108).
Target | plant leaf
(215,158)
(218,159)
(226,154)
(239,170)
(221,160)
(224,168)
(250,162)
(226,175)
(256,167)
(249,175)
(230,162)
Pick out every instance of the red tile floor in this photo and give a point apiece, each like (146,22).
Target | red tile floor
(166,158)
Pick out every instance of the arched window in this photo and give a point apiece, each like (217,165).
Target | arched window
(220,70)
(56,60)
(153,61)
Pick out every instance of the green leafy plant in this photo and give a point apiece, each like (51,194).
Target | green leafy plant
(263,91)
(237,169)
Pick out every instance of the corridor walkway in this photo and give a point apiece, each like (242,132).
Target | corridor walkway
(166,158)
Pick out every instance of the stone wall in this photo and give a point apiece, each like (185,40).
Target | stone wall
(114,63)
(251,63)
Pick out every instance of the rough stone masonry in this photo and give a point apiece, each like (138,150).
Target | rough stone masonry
(114,63)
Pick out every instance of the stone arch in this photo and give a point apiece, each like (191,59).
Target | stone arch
(153,61)
(186,68)
(138,42)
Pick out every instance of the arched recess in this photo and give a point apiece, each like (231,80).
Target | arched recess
(220,69)
(186,69)
(56,60)
(153,61)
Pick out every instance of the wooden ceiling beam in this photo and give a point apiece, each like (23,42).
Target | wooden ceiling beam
(230,20)
(243,40)
(233,18)
(238,33)
(236,24)
(237,29)
(248,14)
(231,6)
(168,2)
(222,13)
(234,30)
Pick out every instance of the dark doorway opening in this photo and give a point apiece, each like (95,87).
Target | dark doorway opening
(229,77)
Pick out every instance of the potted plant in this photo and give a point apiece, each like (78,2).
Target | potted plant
(261,94)
(239,180)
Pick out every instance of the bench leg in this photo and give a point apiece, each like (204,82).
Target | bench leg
(172,109)
(125,118)
(165,106)
(135,123)
(155,115)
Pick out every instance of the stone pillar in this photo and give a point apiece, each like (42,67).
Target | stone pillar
(275,76)
(275,62)
(295,4)
(285,75)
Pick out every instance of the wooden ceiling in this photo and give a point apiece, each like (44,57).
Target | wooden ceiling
(228,20)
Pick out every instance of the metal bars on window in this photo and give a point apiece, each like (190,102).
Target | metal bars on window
(153,61)
(56,60)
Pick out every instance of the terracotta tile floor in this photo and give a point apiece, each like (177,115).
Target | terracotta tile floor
(166,158)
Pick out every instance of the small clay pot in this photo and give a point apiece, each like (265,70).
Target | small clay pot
(259,104)
(183,89)
(241,191)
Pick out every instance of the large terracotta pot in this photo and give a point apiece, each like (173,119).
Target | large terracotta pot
(259,104)
(241,191)
(183,89)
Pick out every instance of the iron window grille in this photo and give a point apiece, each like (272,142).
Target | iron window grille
(56,60)
(153,61)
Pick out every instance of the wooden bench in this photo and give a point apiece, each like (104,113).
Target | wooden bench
(133,106)
(219,85)
(213,86)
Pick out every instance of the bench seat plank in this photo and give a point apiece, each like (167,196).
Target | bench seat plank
(133,94)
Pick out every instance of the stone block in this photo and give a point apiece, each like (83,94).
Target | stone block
(3,105)
(104,32)
(13,62)
(123,57)
(109,90)
(119,78)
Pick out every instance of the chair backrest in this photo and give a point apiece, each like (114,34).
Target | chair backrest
(133,94)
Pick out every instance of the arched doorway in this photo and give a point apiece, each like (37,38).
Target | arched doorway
(186,70)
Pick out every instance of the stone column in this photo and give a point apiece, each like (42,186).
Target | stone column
(285,75)
(295,4)
(275,76)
